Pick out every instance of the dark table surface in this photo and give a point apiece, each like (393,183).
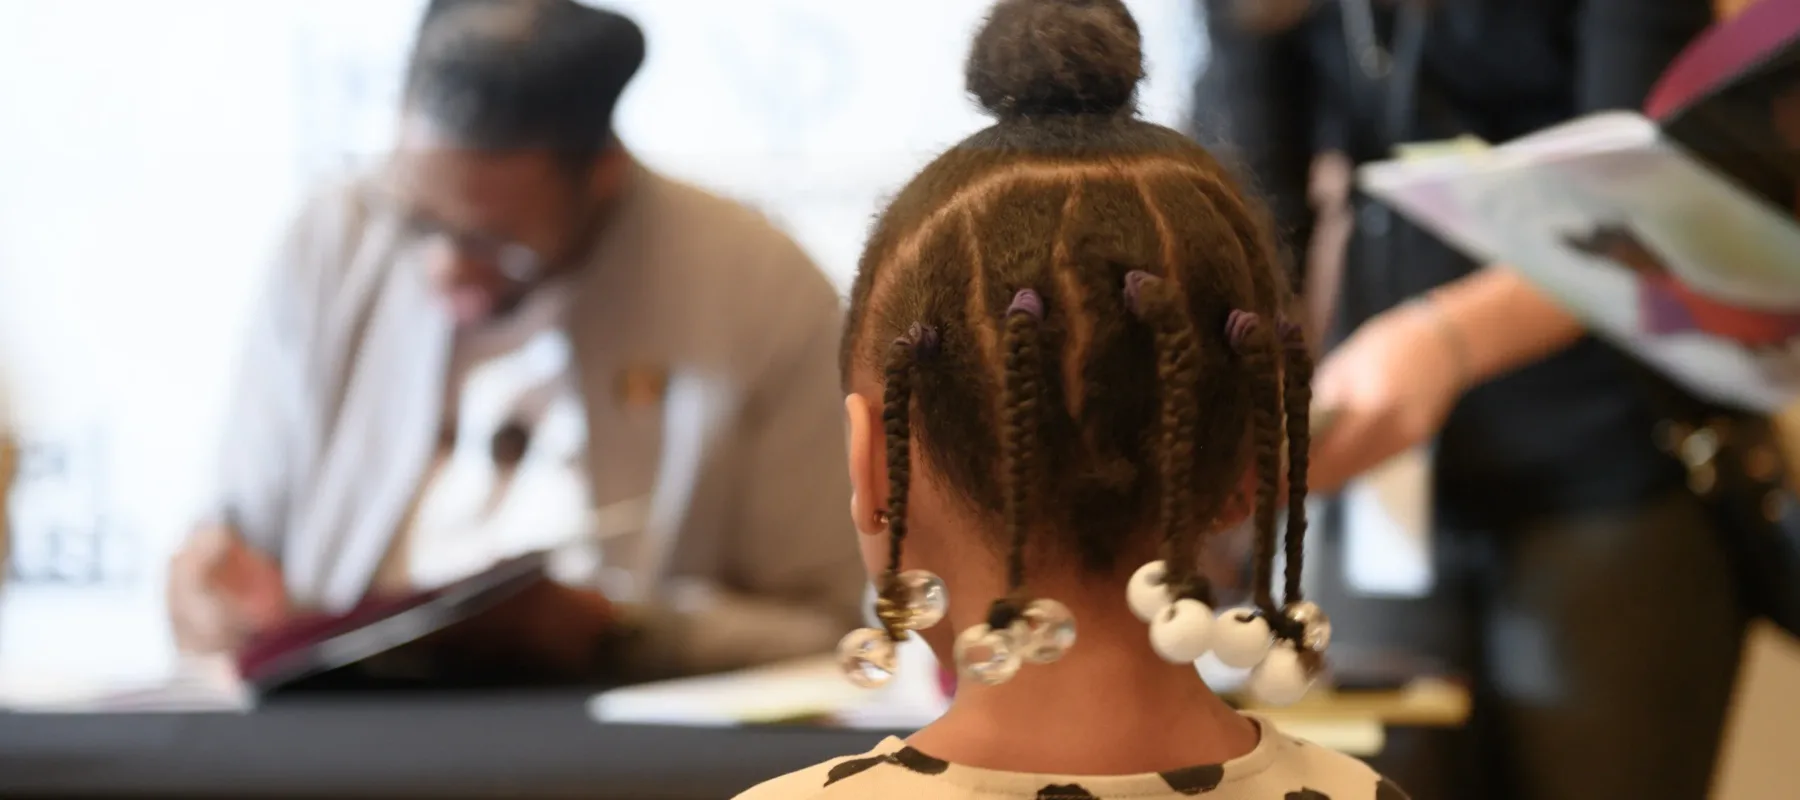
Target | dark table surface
(411,746)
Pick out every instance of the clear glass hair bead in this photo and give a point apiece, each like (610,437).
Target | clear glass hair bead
(867,657)
(926,599)
(1315,627)
(987,656)
(1046,631)
(1147,594)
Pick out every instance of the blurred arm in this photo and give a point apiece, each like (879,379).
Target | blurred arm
(269,414)
(1497,321)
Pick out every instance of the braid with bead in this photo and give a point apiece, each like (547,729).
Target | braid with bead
(1297,397)
(1022,388)
(896,417)
(1152,300)
(1257,345)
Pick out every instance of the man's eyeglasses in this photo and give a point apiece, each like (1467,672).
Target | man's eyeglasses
(516,261)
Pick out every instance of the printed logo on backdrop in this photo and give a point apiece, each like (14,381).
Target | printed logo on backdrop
(64,531)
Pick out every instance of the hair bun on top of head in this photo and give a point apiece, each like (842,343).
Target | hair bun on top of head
(1037,58)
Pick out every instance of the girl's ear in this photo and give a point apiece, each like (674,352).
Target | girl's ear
(868,469)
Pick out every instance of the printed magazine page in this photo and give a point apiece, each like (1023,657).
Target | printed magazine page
(1654,250)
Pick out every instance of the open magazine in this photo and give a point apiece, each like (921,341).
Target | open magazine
(1673,232)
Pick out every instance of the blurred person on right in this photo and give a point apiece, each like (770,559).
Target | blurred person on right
(1579,582)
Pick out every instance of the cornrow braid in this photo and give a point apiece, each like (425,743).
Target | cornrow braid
(1177,367)
(919,342)
(1021,416)
(1256,345)
(1297,398)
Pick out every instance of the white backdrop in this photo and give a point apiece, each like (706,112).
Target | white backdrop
(149,153)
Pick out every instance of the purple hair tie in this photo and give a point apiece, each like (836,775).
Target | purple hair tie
(1240,326)
(1135,281)
(1291,332)
(923,339)
(1027,301)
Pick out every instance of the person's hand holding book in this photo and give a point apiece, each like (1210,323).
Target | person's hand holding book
(222,592)
(1385,390)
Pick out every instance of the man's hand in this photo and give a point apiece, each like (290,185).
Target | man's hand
(1389,387)
(222,592)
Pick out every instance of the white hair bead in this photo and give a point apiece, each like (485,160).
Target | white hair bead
(1147,594)
(1182,632)
(1241,638)
(1282,678)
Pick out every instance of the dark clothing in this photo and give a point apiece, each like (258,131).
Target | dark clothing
(1570,433)
(1602,649)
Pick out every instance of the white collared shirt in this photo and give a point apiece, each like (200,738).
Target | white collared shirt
(471,510)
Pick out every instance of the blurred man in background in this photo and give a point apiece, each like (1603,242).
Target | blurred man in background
(515,337)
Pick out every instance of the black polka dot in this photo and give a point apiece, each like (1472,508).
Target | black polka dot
(1308,794)
(1195,780)
(852,768)
(919,762)
(906,757)
(1388,790)
(1069,792)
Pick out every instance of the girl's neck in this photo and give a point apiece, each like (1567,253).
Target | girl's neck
(1109,707)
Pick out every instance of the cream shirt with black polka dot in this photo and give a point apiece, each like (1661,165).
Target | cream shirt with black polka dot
(1280,768)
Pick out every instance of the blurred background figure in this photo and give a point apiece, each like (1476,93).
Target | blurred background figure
(1567,548)
(502,336)
(225,126)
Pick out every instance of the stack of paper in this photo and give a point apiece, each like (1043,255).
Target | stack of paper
(808,689)
(197,686)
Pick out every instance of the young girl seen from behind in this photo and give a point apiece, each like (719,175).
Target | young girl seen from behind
(1067,369)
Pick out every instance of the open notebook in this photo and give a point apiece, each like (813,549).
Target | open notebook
(1670,232)
(306,647)
(342,644)
(807,690)
(199,685)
